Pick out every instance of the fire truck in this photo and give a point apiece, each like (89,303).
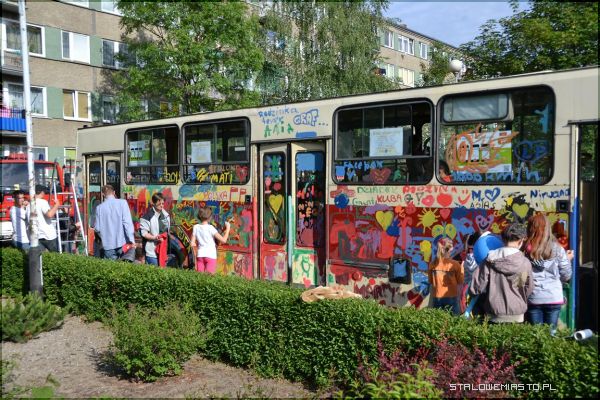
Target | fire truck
(15,177)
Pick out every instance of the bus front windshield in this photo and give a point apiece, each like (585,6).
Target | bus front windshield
(14,176)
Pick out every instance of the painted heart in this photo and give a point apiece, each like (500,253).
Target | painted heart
(380,176)
(521,210)
(428,200)
(450,231)
(241,173)
(492,194)
(445,213)
(384,218)
(444,199)
(275,201)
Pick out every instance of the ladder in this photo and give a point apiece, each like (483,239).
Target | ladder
(69,235)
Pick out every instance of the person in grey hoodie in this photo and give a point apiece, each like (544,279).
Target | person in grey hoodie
(506,277)
(551,267)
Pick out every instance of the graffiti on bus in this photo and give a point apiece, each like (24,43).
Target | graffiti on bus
(377,232)
(290,121)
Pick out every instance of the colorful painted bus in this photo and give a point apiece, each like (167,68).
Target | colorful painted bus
(355,191)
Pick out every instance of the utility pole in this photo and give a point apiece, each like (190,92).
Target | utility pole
(35,253)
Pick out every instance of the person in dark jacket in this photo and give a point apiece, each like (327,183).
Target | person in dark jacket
(154,228)
(506,278)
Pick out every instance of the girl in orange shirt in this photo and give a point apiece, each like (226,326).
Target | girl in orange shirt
(445,276)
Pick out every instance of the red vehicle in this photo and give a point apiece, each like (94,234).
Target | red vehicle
(14,176)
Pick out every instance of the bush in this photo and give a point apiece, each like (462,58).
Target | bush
(24,318)
(14,272)
(414,385)
(149,344)
(266,326)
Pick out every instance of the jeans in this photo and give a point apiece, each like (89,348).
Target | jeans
(447,303)
(544,314)
(20,245)
(50,245)
(151,260)
(113,254)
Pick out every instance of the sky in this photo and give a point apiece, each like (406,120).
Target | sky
(451,22)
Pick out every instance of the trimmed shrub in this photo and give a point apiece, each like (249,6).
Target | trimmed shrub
(149,344)
(14,272)
(266,326)
(24,318)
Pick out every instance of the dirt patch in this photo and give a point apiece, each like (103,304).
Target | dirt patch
(72,356)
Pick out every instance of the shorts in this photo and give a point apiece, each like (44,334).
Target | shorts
(205,264)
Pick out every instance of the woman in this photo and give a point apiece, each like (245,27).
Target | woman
(551,266)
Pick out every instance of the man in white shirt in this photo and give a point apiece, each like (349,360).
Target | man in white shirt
(44,214)
(19,217)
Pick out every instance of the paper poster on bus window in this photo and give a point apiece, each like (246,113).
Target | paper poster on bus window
(201,152)
(489,151)
(386,142)
(139,153)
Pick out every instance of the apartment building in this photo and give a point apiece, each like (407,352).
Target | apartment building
(404,51)
(72,46)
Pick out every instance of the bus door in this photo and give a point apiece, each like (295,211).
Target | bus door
(292,198)
(101,169)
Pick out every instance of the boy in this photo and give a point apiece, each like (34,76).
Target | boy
(506,276)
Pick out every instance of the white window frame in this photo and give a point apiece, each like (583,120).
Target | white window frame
(44,149)
(407,45)
(80,3)
(388,36)
(75,99)
(116,51)
(426,47)
(5,21)
(7,95)
(71,41)
(114,10)
(112,100)
(407,76)
(390,70)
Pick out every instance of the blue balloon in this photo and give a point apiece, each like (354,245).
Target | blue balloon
(483,245)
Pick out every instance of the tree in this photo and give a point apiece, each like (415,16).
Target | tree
(321,49)
(194,56)
(547,35)
(437,70)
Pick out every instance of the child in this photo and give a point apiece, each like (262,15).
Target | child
(469,266)
(506,277)
(204,236)
(445,275)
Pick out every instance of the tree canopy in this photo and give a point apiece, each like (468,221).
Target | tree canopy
(546,35)
(321,49)
(193,56)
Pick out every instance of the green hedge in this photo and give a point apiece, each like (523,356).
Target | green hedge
(267,327)
(14,272)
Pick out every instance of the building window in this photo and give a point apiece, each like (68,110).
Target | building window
(407,45)
(388,39)
(76,105)
(424,49)
(389,70)
(110,52)
(110,6)
(38,98)
(109,110)
(75,47)
(407,76)
(35,37)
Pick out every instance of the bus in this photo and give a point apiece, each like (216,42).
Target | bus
(355,191)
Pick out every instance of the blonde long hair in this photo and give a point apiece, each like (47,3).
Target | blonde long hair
(444,250)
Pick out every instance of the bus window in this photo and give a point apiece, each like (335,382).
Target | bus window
(383,145)
(509,141)
(152,155)
(216,152)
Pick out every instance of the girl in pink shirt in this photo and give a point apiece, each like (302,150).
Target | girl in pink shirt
(203,241)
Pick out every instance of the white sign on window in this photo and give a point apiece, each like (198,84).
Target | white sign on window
(139,153)
(386,142)
(201,152)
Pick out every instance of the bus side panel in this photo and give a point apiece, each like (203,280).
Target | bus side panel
(370,225)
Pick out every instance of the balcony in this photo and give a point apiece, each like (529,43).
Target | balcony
(12,121)
(12,63)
